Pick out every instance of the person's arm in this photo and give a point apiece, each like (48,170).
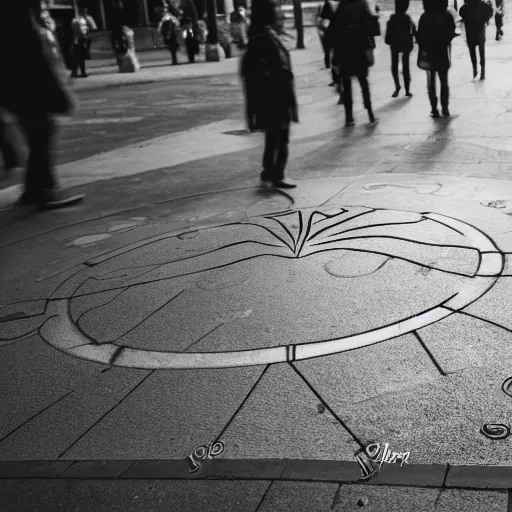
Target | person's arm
(91,23)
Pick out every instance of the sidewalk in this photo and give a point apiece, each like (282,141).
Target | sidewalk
(182,306)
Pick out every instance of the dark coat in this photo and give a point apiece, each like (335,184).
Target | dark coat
(30,81)
(269,82)
(435,33)
(400,33)
(351,35)
(475,14)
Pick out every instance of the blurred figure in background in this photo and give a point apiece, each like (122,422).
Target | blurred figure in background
(168,28)
(324,18)
(498,19)
(353,30)
(32,88)
(475,15)
(400,34)
(272,104)
(82,26)
(436,29)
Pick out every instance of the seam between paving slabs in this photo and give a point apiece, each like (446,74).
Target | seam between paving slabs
(413,475)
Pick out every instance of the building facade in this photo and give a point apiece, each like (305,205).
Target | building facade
(138,13)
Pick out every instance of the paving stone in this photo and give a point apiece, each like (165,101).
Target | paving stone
(130,496)
(283,419)
(385,499)
(480,477)
(97,469)
(299,496)
(169,415)
(476,501)
(35,376)
(50,434)
(33,469)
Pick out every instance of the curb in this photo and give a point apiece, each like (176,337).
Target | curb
(343,472)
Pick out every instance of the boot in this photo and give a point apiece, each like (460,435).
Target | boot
(371,116)
(349,116)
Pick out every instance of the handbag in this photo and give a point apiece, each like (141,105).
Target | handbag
(424,60)
(370,58)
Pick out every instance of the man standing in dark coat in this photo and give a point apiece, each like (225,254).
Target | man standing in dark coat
(475,14)
(270,90)
(33,91)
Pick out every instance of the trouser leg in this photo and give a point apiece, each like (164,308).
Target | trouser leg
(347,97)
(394,68)
(445,90)
(282,153)
(272,137)
(481,48)
(365,90)
(472,55)
(327,52)
(8,146)
(82,66)
(406,70)
(431,87)
(40,129)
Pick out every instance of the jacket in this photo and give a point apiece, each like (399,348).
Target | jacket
(435,33)
(400,33)
(351,35)
(269,82)
(475,14)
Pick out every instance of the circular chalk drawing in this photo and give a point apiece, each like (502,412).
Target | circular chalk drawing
(266,276)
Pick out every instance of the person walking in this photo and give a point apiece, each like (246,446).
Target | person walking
(324,19)
(352,31)
(400,34)
(33,62)
(475,15)
(498,19)
(168,28)
(82,26)
(436,29)
(270,90)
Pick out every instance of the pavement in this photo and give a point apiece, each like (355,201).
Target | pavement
(181,306)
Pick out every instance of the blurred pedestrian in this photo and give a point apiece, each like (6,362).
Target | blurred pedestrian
(475,15)
(400,34)
(353,30)
(436,29)
(168,28)
(270,90)
(32,88)
(498,19)
(238,22)
(324,19)
(122,39)
(82,26)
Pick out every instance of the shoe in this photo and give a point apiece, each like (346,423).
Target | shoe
(54,199)
(446,112)
(408,94)
(350,122)
(482,75)
(396,93)
(373,119)
(284,184)
(475,72)
(435,113)
(84,76)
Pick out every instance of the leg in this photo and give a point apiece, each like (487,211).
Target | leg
(327,52)
(481,48)
(394,71)
(282,153)
(269,153)
(407,72)
(39,178)
(8,146)
(82,67)
(431,87)
(347,99)
(74,61)
(445,92)
(365,90)
(472,54)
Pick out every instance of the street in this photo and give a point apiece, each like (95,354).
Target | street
(187,340)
